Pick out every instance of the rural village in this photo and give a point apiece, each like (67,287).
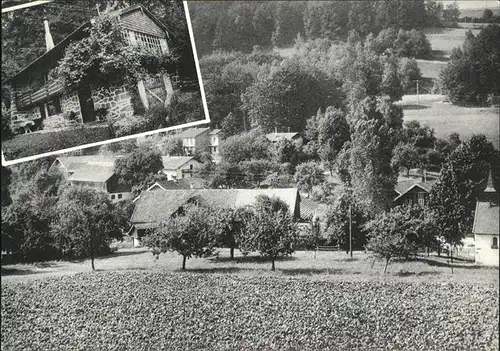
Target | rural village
(344,194)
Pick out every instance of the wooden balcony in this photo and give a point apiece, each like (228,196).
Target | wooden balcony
(30,98)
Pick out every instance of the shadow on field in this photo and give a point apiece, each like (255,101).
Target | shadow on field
(313,271)
(411,273)
(414,107)
(250,259)
(14,271)
(213,270)
(435,263)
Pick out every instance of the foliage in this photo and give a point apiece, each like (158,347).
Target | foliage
(229,126)
(186,233)
(370,171)
(273,231)
(286,96)
(139,167)
(287,151)
(308,174)
(337,222)
(267,307)
(172,146)
(103,58)
(16,147)
(472,74)
(392,81)
(327,134)
(395,234)
(462,178)
(245,146)
(6,175)
(118,148)
(86,223)
(256,171)
(228,226)
(410,72)
(405,156)
(6,131)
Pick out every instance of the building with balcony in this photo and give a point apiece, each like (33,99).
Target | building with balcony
(40,102)
(195,140)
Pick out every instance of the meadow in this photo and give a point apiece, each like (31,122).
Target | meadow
(314,301)
(443,40)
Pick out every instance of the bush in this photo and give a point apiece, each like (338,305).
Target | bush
(25,145)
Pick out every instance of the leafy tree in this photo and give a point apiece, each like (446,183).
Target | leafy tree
(229,225)
(256,171)
(287,151)
(370,170)
(412,43)
(392,85)
(245,146)
(285,97)
(264,203)
(451,13)
(327,134)
(273,234)
(410,72)
(433,13)
(308,174)
(172,146)
(86,223)
(279,180)
(188,233)
(288,23)
(230,126)
(405,156)
(395,234)
(118,148)
(472,75)
(6,180)
(461,179)
(6,131)
(337,222)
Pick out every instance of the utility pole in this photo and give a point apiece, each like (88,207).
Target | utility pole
(350,230)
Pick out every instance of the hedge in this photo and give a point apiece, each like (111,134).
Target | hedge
(25,145)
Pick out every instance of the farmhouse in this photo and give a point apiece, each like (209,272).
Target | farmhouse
(486,226)
(275,137)
(40,102)
(154,207)
(195,140)
(95,172)
(413,192)
(179,167)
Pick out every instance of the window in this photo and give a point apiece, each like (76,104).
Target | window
(495,243)
(149,41)
(112,197)
(119,196)
(421,199)
(191,167)
(53,107)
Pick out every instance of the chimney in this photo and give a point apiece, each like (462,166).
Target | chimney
(49,43)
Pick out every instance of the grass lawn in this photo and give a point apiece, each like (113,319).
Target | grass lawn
(446,118)
(443,40)
(312,302)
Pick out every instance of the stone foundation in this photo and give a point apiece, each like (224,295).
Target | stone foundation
(71,103)
(117,101)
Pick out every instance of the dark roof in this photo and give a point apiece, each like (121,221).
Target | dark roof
(157,206)
(91,173)
(79,34)
(486,218)
(192,132)
(170,185)
(308,208)
(175,162)
(404,186)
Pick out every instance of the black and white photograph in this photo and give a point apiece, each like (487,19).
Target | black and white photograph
(342,195)
(80,72)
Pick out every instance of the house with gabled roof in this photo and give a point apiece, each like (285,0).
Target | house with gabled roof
(195,140)
(40,102)
(275,137)
(486,226)
(154,207)
(179,167)
(414,192)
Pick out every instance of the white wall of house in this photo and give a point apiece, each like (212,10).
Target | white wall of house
(117,197)
(485,254)
(178,173)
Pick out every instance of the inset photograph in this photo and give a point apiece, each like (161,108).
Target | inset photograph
(79,73)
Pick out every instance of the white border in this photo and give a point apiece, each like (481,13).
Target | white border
(134,136)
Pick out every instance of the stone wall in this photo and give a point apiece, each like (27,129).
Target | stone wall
(71,102)
(116,100)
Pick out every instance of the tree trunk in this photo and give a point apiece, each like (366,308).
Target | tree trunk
(92,261)
(232,253)
(386,264)
(272,266)
(183,262)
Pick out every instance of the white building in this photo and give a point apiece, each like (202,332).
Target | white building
(179,167)
(486,226)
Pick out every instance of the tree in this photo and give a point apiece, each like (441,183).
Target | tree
(118,148)
(395,233)
(308,174)
(337,222)
(410,72)
(6,131)
(229,225)
(245,146)
(188,233)
(392,85)
(139,168)
(451,13)
(487,15)
(405,156)
(286,96)
(230,126)
(471,76)
(273,233)
(86,223)
(172,146)
(5,183)
(256,171)
(462,178)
